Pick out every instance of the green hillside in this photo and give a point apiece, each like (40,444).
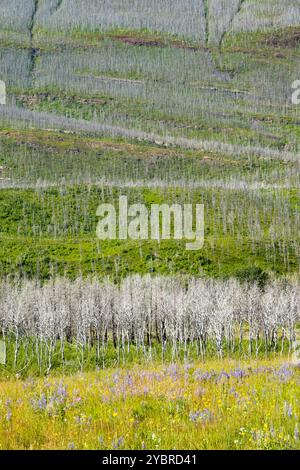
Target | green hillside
(128,100)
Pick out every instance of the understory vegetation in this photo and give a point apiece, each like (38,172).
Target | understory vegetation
(93,324)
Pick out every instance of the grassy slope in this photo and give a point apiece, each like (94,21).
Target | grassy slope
(28,157)
(51,245)
(57,225)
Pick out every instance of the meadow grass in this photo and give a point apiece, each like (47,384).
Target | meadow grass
(225,404)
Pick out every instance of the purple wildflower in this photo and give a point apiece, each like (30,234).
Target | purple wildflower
(8,414)
(204,415)
(238,373)
(223,375)
(296,433)
(284,373)
(288,409)
(118,443)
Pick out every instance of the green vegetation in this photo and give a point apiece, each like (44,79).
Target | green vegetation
(55,229)
(137,98)
(246,221)
(29,364)
(217,405)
